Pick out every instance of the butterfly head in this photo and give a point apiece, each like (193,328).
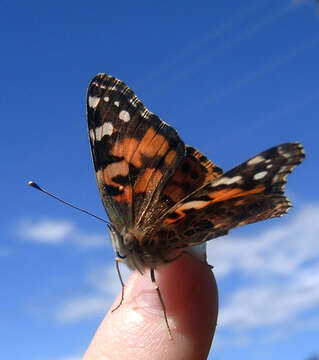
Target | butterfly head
(126,245)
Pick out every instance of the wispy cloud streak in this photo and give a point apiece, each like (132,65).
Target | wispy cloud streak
(105,286)
(54,232)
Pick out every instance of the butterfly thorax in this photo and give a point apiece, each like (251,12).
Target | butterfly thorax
(132,247)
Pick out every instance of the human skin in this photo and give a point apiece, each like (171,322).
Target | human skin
(137,330)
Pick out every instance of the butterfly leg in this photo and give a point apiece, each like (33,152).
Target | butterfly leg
(156,287)
(117,260)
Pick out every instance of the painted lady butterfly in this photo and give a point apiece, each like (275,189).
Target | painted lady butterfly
(161,194)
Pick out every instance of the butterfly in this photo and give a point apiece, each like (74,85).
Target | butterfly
(161,194)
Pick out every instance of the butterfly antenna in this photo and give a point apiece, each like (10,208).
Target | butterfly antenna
(36,186)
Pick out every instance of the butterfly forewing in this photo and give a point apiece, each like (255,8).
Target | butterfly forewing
(134,151)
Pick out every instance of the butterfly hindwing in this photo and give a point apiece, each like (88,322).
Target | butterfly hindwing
(250,192)
(194,171)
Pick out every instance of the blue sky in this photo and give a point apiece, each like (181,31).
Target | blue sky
(234,78)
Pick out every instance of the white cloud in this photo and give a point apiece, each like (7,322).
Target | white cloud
(49,231)
(70,357)
(278,251)
(82,307)
(46,231)
(105,279)
(302,325)
(282,266)
(91,240)
(239,340)
(106,285)
(272,304)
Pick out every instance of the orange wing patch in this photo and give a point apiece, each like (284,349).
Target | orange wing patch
(194,171)
(170,158)
(148,180)
(127,148)
(216,197)
(153,144)
(229,193)
(140,154)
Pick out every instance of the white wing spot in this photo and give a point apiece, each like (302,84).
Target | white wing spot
(145,114)
(98,133)
(194,205)
(302,150)
(117,103)
(92,135)
(276,178)
(260,175)
(256,160)
(133,101)
(226,180)
(107,129)
(125,116)
(285,177)
(283,153)
(269,166)
(106,99)
(93,101)
(284,169)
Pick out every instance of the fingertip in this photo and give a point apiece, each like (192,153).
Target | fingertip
(138,330)
(191,297)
